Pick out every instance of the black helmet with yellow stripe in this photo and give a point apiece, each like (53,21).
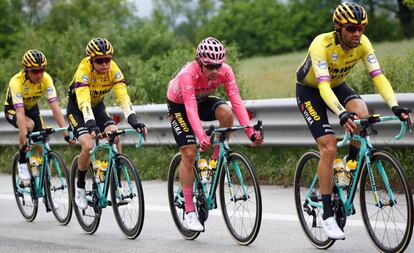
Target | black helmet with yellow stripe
(99,46)
(34,58)
(350,13)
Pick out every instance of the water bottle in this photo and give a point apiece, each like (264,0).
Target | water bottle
(102,171)
(203,168)
(211,168)
(350,168)
(342,178)
(97,168)
(33,161)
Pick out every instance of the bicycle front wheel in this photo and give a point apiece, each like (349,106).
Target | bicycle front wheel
(23,193)
(240,198)
(388,214)
(306,187)
(127,197)
(57,188)
(176,199)
(90,217)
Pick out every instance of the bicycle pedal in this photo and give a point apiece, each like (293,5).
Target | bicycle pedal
(24,183)
(342,239)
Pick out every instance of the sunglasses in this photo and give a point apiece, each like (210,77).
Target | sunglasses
(212,66)
(354,28)
(102,60)
(37,71)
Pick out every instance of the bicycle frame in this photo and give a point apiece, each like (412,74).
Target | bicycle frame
(210,194)
(38,181)
(102,188)
(364,155)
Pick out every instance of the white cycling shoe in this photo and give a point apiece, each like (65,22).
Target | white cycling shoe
(23,172)
(191,222)
(332,230)
(80,198)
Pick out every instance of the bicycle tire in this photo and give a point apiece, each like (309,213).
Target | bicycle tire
(57,188)
(310,217)
(134,210)
(27,204)
(390,221)
(88,219)
(233,199)
(177,207)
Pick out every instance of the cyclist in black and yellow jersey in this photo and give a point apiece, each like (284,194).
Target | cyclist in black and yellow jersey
(21,108)
(96,75)
(321,85)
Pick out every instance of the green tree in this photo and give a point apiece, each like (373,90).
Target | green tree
(91,14)
(11,23)
(263,27)
(389,11)
(185,17)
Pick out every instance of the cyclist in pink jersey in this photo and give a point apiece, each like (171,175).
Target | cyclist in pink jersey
(189,102)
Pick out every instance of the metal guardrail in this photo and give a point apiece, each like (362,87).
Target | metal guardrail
(282,122)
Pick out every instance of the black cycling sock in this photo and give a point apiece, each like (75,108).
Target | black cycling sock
(327,206)
(353,153)
(22,156)
(81,179)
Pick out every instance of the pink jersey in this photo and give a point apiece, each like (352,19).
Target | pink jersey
(190,83)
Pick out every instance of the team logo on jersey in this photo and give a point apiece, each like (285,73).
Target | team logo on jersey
(85,78)
(371,58)
(334,57)
(49,90)
(323,64)
(117,75)
(26,89)
(19,95)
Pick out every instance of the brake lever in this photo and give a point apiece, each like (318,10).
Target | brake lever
(209,132)
(259,127)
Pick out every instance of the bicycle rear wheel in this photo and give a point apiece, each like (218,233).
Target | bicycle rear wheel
(240,198)
(57,188)
(90,217)
(128,205)
(310,216)
(23,193)
(176,199)
(389,223)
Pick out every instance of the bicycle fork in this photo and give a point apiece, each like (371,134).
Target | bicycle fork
(392,201)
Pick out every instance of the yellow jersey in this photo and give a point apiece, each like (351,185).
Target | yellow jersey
(327,65)
(88,88)
(23,93)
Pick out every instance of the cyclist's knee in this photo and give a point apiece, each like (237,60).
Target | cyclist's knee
(30,125)
(188,154)
(224,115)
(86,143)
(359,107)
(327,145)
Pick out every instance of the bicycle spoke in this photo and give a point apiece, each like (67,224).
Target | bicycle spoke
(389,222)
(240,199)
(306,189)
(127,197)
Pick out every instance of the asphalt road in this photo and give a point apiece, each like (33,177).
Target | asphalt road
(280,230)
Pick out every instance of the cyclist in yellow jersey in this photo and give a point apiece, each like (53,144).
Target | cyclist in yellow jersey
(321,85)
(21,108)
(96,75)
